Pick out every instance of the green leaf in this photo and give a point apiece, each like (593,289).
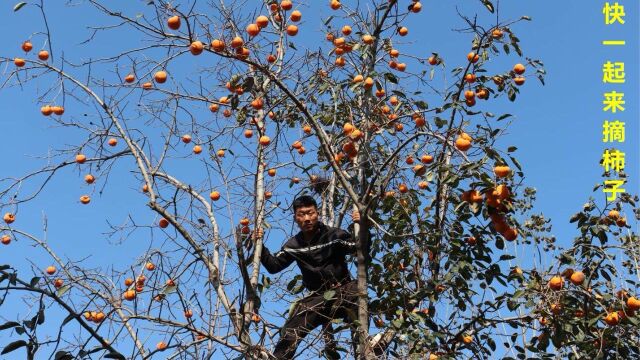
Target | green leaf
(9,325)
(114,356)
(19,6)
(391,78)
(13,346)
(68,318)
(422,105)
(502,117)
(63,355)
(63,290)
(488,5)
(329,294)
(34,281)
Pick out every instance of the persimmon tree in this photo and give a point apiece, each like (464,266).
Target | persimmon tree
(221,114)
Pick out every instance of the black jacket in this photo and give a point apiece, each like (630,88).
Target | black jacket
(321,261)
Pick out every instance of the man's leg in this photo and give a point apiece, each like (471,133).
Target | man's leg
(307,315)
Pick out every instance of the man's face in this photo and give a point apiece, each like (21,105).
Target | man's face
(306,217)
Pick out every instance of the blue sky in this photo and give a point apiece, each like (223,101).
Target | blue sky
(557,127)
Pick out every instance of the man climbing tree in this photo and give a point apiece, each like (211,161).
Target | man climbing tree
(320,253)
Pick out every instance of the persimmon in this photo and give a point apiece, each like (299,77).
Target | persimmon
(510,234)
(27,46)
(147,85)
(519,69)
(141,279)
(519,80)
(128,281)
(257,103)
(295,180)
(196,47)
(419,121)
(81,158)
(46,110)
(306,129)
(188,313)
(462,144)
(556,309)
(423,185)
(622,222)
(286,5)
(161,345)
(271,172)
(265,140)
(19,62)
(173,22)
(218,45)
(368,83)
(237,42)
(357,79)
(433,60)
(613,214)
(556,283)
(58,110)
(403,188)
(401,67)
(292,30)
(85,199)
(496,34)
(393,64)
(220,153)
(253,29)
(469,94)
(502,171)
(426,159)
(340,62)
(197,149)
(112,142)
(577,278)
(612,318)
(130,78)
(416,7)
(5,239)
(160,77)
(248,133)
(43,55)
(470,102)
(335,4)
(420,170)
(271,58)
(163,223)
(295,16)
(467,339)
(145,188)
(472,57)
(186,138)
(368,39)
(470,78)
(57,283)
(394,53)
(9,218)
(403,31)
(150,266)
(262,21)
(633,303)
(482,93)
(99,317)
(51,270)
(380,93)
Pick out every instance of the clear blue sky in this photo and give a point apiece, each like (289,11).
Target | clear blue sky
(557,127)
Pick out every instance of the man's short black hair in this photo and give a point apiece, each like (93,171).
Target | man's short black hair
(303,201)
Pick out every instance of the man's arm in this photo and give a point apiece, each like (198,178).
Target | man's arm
(348,238)
(276,262)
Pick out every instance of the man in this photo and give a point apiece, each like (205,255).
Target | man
(319,251)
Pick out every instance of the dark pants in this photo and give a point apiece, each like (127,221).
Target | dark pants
(313,311)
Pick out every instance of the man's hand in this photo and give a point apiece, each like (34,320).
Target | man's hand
(355,215)
(258,233)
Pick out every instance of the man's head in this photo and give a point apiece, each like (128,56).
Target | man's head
(305,213)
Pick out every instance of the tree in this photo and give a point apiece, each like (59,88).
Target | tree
(354,121)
